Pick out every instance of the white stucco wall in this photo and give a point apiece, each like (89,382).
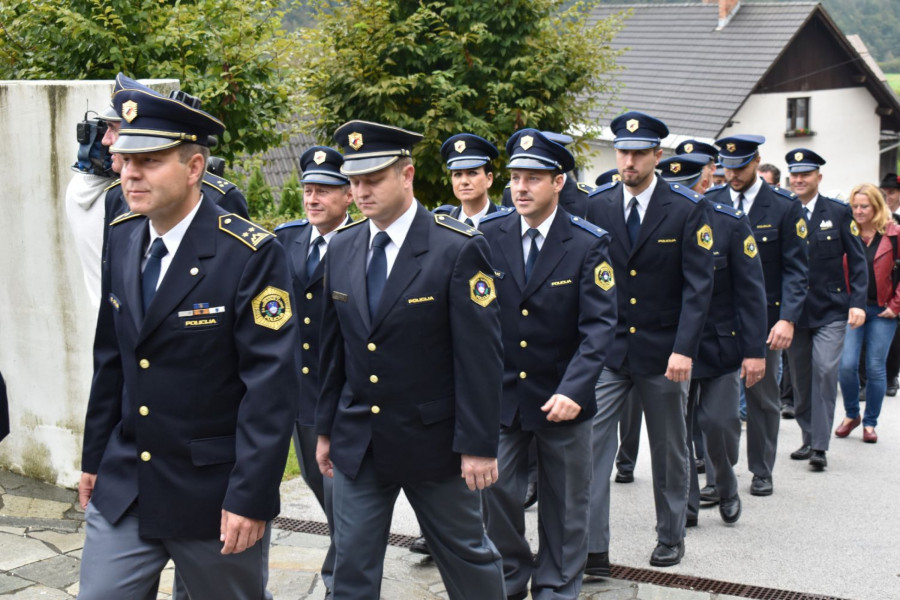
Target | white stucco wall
(846,126)
(46,321)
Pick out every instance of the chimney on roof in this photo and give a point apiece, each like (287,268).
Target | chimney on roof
(727,10)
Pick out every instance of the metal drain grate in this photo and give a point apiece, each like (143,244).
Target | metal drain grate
(687,582)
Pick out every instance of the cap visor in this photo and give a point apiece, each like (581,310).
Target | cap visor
(525,162)
(735,162)
(133,144)
(466,163)
(323,178)
(802,168)
(634,144)
(367,165)
(109,114)
(688,181)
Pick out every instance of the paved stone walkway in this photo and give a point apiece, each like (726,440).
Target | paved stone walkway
(42,533)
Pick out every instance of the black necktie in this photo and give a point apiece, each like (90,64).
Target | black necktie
(532,252)
(740,204)
(377,273)
(151,271)
(807,213)
(312,261)
(469,222)
(634,221)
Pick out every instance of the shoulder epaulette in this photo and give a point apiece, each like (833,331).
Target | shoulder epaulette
(248,232)
(838,200)
(124,217)
(502,211)
(508,186)
(785,193)
(727,209)
(603,188)
(716,188)
(686,192)
(583,187)
(587,226)
(223,186)
(444,209)
(115,183)
(457,226)
(351,224)
(297,223)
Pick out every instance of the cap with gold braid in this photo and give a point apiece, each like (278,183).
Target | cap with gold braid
(151,122)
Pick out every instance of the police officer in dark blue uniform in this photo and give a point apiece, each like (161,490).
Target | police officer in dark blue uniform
(556,290)
(408,293)
(574,195)
(829,308)
(468,158)
(188,422)
(733,344)
(662,254)
(780,231)
(701,150)
(326,198)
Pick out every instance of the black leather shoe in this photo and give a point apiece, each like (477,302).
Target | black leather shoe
(730,509)
(420,546)
(761,486)
(597,564)
(624,477)
(804,452)
(892,387)
(701,465)
(530,495)
(818,461)
(691,521)
(709,496)
(667,556)
(787,411)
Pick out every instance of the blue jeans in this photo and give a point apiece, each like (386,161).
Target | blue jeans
(877,334)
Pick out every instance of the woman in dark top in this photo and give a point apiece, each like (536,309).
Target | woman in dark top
(880,235)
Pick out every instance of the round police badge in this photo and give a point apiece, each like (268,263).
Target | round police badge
(481,289)
(272,308)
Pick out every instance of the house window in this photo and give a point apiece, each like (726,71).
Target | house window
(798,117)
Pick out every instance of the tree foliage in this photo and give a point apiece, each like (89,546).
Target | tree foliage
(441,67)
(234,56)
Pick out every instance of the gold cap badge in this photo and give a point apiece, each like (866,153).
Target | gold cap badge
(129,110)
(617,177)
(460,145)
(688,148)
(798,156)
(730,147)
(632,125)
(526,142)
(355,140)
(675,167)
(319,157)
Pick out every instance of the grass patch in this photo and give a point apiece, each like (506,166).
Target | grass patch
(894,81)
(292,468)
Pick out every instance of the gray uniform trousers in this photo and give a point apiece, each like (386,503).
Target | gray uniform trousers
(450,517)
(305,440)
(716,402)
(664,404)
(564,462)
(118,563)
(629,435)
(764,417)
(814,355)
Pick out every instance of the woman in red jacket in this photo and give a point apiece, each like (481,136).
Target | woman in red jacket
(879,233)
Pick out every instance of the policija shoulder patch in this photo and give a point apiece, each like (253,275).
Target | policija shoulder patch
(603,276)
(854,228)
(481,289)
(705,237)
(801,229)
(272,308)
(750,247)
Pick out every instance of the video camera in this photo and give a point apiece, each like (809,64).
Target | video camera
(93,157)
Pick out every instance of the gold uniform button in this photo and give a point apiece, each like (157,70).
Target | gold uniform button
(305,370)
(375,409)
(373,378)
(309,295)
(144,411)
(306,320)
(633,300)
(145,456)
(305,346)
(523,375)
(145,364)
(631,330)
(828,237)
(632,272)
(371,347)
(524,312)
(765,239)
(523,344)
(194,270)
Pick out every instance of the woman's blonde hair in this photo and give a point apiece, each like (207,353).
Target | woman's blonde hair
(871,191)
